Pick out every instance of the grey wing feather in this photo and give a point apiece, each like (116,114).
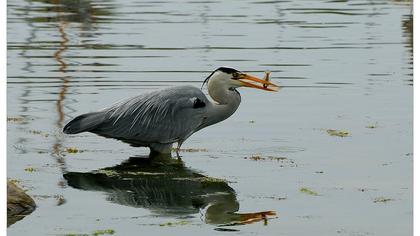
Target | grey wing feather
(164,116)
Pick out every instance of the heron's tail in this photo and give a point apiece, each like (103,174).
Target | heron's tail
(83,123)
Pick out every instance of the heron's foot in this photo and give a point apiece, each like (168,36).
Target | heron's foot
(178,148)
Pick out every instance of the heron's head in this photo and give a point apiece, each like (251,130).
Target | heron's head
(229,78)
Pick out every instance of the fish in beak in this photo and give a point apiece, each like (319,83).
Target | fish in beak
(254,82)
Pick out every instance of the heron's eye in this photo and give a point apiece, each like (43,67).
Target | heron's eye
(235,75)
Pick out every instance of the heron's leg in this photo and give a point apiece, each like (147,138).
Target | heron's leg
(177,149)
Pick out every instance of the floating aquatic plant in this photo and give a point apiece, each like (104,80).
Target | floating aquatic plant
(372,126)
(182,222)
(308,191)
(72,150)
(103,232)
(191,150)
(339,133)
(95,233)
(382,200)
(29,169)
(15,119)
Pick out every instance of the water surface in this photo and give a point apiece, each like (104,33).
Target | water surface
(344,65)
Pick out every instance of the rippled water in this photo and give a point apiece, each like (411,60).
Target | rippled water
(344,65)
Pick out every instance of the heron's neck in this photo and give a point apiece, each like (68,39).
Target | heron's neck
(226,103)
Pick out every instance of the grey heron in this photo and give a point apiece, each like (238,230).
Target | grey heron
(161,118)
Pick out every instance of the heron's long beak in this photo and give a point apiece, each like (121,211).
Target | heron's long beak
(254,82)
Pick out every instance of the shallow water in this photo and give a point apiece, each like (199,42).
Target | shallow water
(344,65)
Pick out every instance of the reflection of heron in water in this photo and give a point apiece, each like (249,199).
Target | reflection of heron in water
(161,118)
(166,187)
